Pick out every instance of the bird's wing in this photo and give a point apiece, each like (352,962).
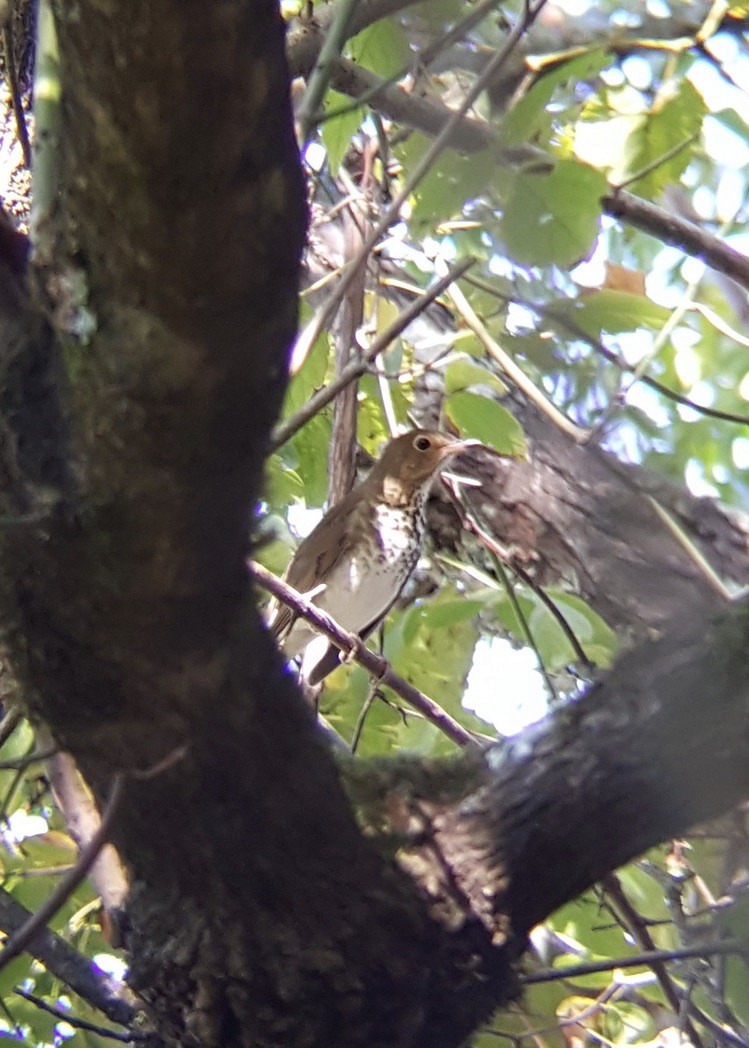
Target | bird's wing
(313,561)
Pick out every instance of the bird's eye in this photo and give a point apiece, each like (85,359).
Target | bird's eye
(422,443)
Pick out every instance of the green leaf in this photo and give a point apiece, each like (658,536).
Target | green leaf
(484,419)
(674,119)
(624,1022)
(432,645)
(597,640)
(19,743)
(737,980)
(555,650)
(310,377)
(443,192)
(631,141)
(14,973)
(464,373)
(282,484)
(382,47)
(338,131)
(552,217)
(613,311)
(310,446)
(529,116)
(439,613)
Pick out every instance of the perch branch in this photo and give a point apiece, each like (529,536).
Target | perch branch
(352,647)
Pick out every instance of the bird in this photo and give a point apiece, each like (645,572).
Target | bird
(355,563)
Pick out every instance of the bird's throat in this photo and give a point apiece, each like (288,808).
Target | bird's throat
(396,494)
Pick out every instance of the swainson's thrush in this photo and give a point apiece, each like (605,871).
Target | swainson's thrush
(357,560)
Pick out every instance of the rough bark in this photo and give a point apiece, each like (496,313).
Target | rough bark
(574,513)
(661,742)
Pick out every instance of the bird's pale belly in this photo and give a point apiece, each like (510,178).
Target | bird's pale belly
(359,590)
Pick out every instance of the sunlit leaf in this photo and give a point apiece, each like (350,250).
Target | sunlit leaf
(552,217)
(656,144)
(337,132)
(613,311)
(529,116)
(310,377)
(484,419)
(310,446)
(674,120)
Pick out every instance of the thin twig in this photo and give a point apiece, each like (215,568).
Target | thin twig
(511,369)
(78,807)
(655,164)
(317,85)
(363,712)
(695,554)
(721,1031)
(556,316)
(422,59)
(82,1024)
(357,368)
(11,68)
(470,524)
(352,647)
(68,965)
(638,929)
(648,958)
(62,891)
(21,763)
(422,168)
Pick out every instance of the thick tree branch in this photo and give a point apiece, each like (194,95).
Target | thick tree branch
(679,232)
(660,743)
(574,512)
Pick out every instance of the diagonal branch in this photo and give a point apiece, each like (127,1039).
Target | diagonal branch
(352,647)
(20,939)
(71,967)
(354,370)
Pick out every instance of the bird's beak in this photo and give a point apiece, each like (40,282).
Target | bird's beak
(459,446)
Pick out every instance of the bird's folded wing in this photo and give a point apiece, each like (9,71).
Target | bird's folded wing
(312,563)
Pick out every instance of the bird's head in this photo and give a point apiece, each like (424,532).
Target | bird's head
(411,462)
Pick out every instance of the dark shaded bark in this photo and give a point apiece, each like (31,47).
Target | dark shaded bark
(662,742)
(259,914)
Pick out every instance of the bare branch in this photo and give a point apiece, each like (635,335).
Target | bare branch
(357,368)
(75,970)
(725,948)
(83,820)
(83,1024)
(67,884)
(352,647)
